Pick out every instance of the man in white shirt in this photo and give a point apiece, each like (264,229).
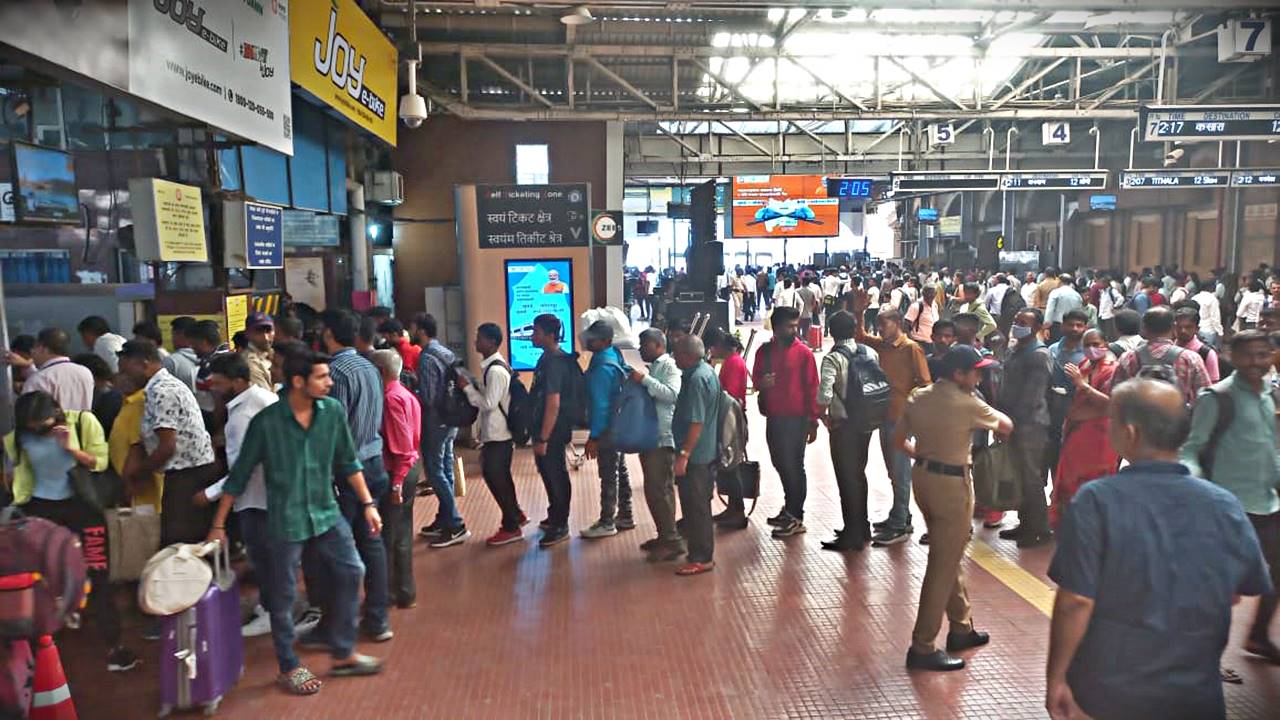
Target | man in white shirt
(995,294)
(1210,315)
(69,383)
(662,381)
(1028,289)
(790,296)
(229,380)
(96,335)
(491,394)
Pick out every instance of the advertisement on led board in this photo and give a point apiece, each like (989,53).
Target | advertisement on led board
(536,287)
(764,206)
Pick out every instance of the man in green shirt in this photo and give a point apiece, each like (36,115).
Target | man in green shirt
(1242,459)
(695,427)
(301,444)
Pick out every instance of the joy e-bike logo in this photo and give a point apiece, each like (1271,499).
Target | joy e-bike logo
(186,12)
(337,58)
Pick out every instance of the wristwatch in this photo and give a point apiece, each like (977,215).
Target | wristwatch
(369,504)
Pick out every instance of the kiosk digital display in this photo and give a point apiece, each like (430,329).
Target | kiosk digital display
(535,287)
(766,206)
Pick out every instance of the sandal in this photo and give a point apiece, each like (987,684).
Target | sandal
(696,568)
(360,665)
(299,681)
(1230,676)
(1264,649)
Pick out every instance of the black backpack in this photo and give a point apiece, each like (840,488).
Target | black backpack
(1226,413)
(866,390)
(1010,305)
(451,407)
(521,414)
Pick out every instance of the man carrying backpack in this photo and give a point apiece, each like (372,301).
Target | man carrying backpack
(437,438)
(1233,443)
(853,396)
(1161,359)
(604,384)
(557,382)
(491,394)
(662,382)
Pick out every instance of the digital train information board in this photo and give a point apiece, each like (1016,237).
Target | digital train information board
(1210,122)
(1056,180)
(1170,179)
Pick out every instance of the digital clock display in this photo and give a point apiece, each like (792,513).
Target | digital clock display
(849,187)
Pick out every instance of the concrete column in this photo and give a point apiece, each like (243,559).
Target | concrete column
(359,238)
(612,200)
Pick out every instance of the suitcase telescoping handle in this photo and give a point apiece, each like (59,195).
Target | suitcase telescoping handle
(221,552)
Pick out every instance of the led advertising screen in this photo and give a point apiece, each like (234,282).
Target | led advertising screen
(535,287)
(1102,203)
(46,185)
(927,215)
(779,206)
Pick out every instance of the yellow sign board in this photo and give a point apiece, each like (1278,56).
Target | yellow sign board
(179,222)
(237,313)
(337,54)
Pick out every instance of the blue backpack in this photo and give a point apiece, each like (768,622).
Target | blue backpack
(635,420)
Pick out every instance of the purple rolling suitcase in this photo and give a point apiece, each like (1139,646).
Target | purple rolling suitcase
(201,651)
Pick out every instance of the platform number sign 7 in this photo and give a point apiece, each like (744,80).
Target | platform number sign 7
(1254,28)
(1056,132)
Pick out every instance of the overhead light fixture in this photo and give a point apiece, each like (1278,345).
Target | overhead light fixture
(580,15)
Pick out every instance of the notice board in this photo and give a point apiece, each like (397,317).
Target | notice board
(532,216)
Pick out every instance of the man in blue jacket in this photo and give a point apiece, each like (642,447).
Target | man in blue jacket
(605,376)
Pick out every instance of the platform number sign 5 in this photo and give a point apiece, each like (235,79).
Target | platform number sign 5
(1055,132)
(941,134)
(1244,40)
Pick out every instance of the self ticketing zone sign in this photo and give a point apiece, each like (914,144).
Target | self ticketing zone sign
(337,54)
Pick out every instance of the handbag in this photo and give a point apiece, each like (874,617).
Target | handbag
(748,475)
(996,484)
(98,490)
(175,578)
(132,538)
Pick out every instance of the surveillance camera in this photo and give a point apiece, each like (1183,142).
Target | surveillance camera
(413,110)
(1172,157)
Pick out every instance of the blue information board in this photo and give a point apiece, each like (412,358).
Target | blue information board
(263,236)
(535,287)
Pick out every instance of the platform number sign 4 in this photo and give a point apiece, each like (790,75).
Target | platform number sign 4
(1055,132)
(1244,40)
(941,134)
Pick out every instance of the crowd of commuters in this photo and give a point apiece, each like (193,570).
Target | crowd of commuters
(310,442)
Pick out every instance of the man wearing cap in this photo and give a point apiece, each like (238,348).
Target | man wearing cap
(942,418)
(261,330)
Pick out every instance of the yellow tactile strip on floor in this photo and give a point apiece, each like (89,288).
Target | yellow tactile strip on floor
(1028,586)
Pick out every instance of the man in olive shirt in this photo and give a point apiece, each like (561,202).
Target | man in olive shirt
(300,443)
(942,418)
(695,427)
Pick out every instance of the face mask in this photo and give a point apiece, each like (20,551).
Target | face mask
(1095,353)
(1020,332)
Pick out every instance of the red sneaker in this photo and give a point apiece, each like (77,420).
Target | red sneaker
(993,519)
(504,537)
(524,519)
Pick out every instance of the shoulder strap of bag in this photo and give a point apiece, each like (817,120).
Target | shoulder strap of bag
(1226,413)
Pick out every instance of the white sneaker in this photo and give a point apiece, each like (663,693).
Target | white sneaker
(259,625)
(599,530)
(307,622)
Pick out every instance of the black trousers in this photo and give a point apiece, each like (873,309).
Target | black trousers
(555,478)
(397,536)
(695,512)
(181,520)
(849,448)
(495,465)
(1268,529)
(87,523)
(786,438)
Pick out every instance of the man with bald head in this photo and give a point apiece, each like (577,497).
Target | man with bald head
(1149,562)
(695,428)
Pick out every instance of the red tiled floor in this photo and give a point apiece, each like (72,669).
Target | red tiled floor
(781,629)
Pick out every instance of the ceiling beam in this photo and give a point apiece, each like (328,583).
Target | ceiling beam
(747,139)
(1016,93)
(815,138)
(511,78)
(1133,77)
(745,6)
(830,86)
(928,85)
(695,152)
(731,87)
(1115,111)
(621,81)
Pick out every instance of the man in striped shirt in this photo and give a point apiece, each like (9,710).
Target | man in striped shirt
(358,386)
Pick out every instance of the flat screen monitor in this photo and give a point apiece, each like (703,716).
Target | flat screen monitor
(46,185)
(535,287)
(646,227)
(1102,203)
(779,206)
(927,215)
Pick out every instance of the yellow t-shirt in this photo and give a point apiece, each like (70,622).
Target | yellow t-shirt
(125,433)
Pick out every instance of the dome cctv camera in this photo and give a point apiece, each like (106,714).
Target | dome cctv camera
(413,110)
(1172,157)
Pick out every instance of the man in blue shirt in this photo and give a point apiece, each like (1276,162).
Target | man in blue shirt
(1068,350)
(1149,563)
(696,430)
(605,376)
(437,438)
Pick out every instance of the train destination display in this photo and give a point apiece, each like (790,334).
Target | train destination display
(1056,180)
(1166,179)
(1210,122)
(944,182)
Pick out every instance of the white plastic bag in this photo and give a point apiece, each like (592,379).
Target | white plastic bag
(175,578)
(623,337)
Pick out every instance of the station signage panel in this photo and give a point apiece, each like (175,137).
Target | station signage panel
(1167,179)
(848,187)
(532,216)
(1056,180)
(1210,122)
(944,182)
(1255,178)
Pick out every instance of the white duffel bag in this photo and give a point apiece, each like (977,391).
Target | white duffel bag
(175,578)
(623,338)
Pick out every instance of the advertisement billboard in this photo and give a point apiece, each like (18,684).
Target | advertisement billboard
(535,287)
(765,206)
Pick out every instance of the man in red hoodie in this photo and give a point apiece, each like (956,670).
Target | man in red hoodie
(393,332)
(787,377)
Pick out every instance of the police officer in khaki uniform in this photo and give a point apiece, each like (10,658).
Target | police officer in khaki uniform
(942,418)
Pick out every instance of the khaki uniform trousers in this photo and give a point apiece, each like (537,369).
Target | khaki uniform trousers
(946,501)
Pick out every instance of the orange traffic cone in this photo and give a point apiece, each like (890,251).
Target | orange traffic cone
(52,700)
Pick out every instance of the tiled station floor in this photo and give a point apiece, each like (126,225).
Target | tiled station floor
(588,629)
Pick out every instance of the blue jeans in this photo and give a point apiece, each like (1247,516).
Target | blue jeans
(253,529)
(899,466)
(335,550)
(437,453)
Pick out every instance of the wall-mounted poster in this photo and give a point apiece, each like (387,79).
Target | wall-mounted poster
(535,287)
(304,280)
